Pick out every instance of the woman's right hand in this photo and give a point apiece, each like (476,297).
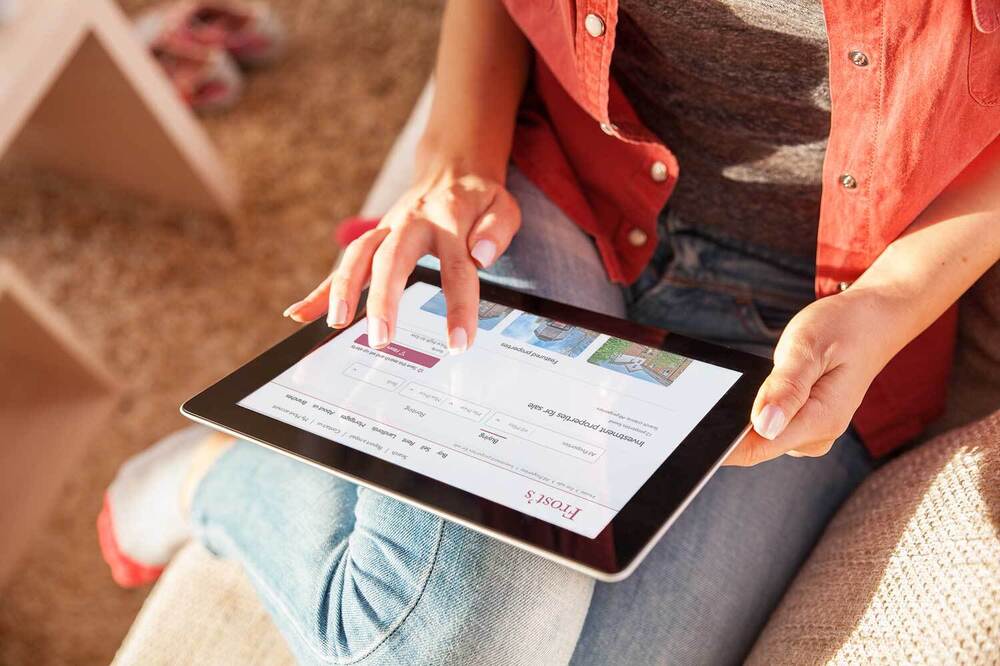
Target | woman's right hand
(465,219)
(458,208)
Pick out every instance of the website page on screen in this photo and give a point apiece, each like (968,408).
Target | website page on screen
(556,421)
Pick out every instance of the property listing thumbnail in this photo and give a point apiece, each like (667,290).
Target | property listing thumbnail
(551,335)
(639,361)
(490,314)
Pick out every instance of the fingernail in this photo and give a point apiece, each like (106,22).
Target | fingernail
(378,332)
(770,422)
(484,252)
(458,340)
(290,310)
(338,315)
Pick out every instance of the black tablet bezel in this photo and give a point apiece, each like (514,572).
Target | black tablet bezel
(625,537)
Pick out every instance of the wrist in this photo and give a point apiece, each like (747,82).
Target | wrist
(881,320)
(437,155)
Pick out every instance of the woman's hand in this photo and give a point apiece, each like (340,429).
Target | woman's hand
(464,219)
(458,207)
(824,362)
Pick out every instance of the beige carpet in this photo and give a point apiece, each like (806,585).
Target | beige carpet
(173,300)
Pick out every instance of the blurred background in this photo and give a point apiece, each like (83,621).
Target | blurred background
(169,299)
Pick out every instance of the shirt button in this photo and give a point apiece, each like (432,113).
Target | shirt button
(658,171)
(594,25)
(637,237)
(842,286)
(848,181)
(858,58)
(609,128)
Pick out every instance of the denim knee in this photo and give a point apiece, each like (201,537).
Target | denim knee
(339,567)
(367,586)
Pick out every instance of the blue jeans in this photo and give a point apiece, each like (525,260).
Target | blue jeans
(351,576)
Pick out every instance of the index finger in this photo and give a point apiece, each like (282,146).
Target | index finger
(392,264)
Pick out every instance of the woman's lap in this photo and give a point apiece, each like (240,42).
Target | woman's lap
(351,575)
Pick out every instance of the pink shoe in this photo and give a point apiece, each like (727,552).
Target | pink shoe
(250,31)
(205,77)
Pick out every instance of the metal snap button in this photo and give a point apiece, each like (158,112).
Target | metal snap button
(594,25)
(637,237)
(858,58)
(848,181)
(658,171)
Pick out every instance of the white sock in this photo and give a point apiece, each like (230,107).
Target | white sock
(147,519)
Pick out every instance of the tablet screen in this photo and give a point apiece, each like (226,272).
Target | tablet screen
(555,421)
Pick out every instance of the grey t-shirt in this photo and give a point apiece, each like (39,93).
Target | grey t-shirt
(739,90)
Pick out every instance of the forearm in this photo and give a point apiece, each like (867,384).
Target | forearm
(482,67)
(953,242)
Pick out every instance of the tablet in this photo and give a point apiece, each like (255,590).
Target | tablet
(575,435)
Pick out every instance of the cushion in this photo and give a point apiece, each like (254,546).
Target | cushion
(908,571)
(203,612)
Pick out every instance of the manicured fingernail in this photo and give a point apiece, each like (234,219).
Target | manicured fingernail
(291,309)
(484,251)
(378,333)
(458,340)
(337,316)
(770,422)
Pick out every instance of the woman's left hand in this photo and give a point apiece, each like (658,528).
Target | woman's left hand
(831,351)
(824,362)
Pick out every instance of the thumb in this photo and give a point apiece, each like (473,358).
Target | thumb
(796,368)
(493,231)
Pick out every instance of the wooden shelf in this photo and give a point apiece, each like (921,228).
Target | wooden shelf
(54,397)
(80,94)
